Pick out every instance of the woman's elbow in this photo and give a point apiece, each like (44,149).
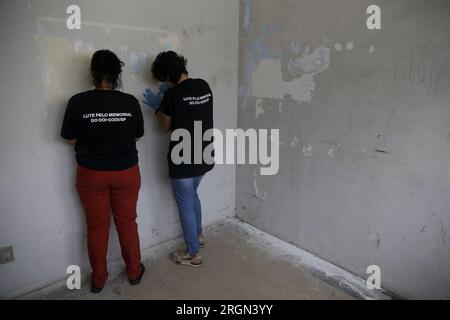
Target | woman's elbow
(70,141)
(164,121)
(166,127)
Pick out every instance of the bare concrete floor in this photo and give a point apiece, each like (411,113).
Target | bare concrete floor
(233,269)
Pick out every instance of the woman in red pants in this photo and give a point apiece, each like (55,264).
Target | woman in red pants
(104,125)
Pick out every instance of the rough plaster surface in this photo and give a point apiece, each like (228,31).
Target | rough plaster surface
(364,153)
(44,64)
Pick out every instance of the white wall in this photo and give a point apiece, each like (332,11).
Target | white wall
(43,64)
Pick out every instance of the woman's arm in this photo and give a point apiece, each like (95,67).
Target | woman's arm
(164,120)
(68,128)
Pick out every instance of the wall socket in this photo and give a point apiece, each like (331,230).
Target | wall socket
(6,255)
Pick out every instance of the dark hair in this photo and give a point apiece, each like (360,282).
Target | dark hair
(169,66)
(106,66)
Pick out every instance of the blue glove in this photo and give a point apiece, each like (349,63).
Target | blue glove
(164,87)
(153,100)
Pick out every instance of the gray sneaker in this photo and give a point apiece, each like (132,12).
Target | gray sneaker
(184,258)
(201,241)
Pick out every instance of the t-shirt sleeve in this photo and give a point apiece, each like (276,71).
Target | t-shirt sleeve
(139,121)
(68,129)
(167,105)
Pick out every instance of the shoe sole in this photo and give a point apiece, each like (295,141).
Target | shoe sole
(190,264)
(96,290)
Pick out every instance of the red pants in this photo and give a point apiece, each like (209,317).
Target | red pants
(101,191)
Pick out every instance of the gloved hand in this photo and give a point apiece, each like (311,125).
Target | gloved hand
(164,87)
(153,100)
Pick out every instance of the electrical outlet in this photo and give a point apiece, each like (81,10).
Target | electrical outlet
(6,255)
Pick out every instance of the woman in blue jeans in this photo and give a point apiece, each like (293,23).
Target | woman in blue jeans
(181,105)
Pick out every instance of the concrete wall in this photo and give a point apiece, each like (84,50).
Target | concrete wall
(364,122)
(44,63)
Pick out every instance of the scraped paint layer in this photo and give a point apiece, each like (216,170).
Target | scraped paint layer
(311,63)
(170,42)
(267,82)
(257,51)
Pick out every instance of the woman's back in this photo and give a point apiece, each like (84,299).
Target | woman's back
(105,124)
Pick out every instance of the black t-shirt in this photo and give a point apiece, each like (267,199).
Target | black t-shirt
(186,103)
(105,125)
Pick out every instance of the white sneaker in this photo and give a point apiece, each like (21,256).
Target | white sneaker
(184,258)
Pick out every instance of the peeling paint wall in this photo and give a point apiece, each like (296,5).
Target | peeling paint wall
(364,123)
(44,64)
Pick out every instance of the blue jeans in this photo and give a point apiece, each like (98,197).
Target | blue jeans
(190,210)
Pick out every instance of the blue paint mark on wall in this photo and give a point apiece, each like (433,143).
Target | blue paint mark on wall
(138,62)
(258,50)
(247,16)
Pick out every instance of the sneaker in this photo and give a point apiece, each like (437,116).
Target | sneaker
(136,281)
(184,258)
(201,241)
